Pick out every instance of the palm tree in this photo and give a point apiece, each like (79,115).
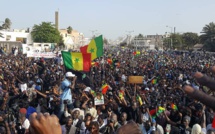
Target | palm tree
(69,30)
(208,36)
(208,32)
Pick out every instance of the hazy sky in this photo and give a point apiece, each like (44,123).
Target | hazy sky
(112,18)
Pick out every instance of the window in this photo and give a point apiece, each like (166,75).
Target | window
(8,37)
(20,39)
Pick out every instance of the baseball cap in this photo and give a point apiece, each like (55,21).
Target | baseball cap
(23,111)
(70,74)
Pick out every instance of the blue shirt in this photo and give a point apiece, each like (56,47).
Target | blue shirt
(66,92)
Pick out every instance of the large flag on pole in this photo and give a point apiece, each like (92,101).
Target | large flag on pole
(77,61)
(95,47)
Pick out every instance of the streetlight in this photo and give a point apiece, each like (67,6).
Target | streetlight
(170,35)
(93,31)
(129,35)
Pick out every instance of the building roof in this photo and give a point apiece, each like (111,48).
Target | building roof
(198,46)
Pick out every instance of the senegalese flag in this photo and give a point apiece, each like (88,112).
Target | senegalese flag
(76,61)
(104,88)
(96,64)
(121,96)
(154,81)
(95,47)
(173,106)
(93,92)
(137,52)
(155,114)
(109,61)
(139,100)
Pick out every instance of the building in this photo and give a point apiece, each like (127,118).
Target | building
(17,35)
(147,42)
(198,47)
(14,38)
(72,40)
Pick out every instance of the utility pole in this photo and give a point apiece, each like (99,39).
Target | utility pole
(170,35)
(93,33)
(129,33)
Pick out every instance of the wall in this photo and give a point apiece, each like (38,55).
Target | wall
(23,37)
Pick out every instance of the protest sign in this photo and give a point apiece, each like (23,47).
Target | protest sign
(99,99)
(135,79)
(40,54)
(133,63)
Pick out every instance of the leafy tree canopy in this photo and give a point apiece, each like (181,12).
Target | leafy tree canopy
(190,39)
(46,33)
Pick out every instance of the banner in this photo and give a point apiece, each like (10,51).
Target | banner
(40,55)
(135,79)
(99,99)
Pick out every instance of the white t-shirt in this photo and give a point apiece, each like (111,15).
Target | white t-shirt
(23,87)
(87,89)
(26,124)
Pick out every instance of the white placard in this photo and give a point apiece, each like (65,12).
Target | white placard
(40,55)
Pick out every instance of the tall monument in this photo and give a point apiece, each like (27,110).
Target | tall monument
(56,20)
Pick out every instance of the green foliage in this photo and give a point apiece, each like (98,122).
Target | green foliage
(46,33)
(105,41)
(139,37)
(208,36)
(1,33)
(61,43)
(69,30)
(190,39)
(6,25)
(177,41)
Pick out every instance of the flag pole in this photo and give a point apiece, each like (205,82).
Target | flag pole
(103,64)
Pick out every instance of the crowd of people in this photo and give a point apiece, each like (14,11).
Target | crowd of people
(172,97)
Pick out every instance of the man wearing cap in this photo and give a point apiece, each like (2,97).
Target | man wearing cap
(66,96)
(24,122)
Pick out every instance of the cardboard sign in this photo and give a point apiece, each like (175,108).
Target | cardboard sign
(135,79)
(133,63)
(99,100)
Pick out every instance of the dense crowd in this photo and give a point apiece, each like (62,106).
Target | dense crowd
(158,105)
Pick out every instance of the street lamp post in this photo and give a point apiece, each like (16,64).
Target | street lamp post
(170,35)
(129,33)
(93,32)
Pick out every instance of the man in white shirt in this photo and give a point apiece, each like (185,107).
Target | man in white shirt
(90,109)
(23,120)
(77,122)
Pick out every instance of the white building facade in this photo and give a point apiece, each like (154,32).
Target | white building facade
(17,35)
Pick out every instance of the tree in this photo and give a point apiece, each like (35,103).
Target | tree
(190,39)
(139,37)
(61,42)
(105,41)
(208,36)
(45,33)
(69,30)
(166,43)
(176,40)
(7,24)
(1,35)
